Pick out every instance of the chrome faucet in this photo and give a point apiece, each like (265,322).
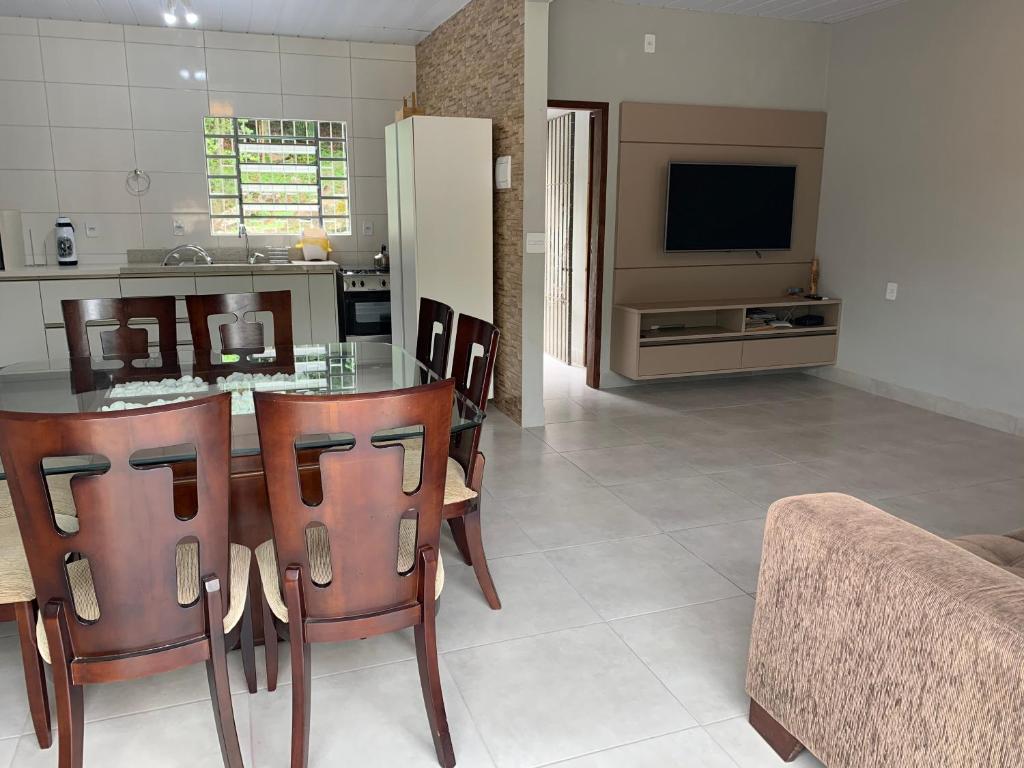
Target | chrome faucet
(250,256)
(199,254)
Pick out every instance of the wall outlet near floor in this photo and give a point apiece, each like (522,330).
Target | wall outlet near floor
(178,227)
(92,229)
(368,228)
(890,291)
(649,41)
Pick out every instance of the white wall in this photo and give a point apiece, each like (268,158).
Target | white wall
(596,54)
(924,186)
(81,104)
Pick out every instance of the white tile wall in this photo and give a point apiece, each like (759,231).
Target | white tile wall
(81,104)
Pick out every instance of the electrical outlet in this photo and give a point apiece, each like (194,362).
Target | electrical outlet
(92,229)
(368,228)
(890,291)
(649,43)
(178,227)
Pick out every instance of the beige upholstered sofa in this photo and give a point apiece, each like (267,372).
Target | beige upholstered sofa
(878,645)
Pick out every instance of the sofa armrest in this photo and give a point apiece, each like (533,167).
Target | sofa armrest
(878,644)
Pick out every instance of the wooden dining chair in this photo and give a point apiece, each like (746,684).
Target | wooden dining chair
(364,560)
(123,340)
(18,597)
(434,336)
(144,585)
(241,332)
(476,347)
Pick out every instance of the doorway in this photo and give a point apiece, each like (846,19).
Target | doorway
(575,194)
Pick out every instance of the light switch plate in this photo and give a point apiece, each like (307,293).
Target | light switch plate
(92,229)
(368,228)
(503,172)
(649,42)
(178,227)
(890,291)
(535,242)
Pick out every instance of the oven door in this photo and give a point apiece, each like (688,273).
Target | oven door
(367,313)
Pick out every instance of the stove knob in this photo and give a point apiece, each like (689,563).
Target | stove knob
(383,283)
(362,283)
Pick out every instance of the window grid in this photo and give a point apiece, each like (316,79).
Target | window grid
(259,200)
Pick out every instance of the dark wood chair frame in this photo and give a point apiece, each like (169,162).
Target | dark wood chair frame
(123,340)
(142,630)
(472,376)
(241,334)
(367,595)
(433,346)
(34,668)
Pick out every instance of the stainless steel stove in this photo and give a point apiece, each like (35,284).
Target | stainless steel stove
(364,304)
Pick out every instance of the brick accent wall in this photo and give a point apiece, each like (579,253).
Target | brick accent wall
(472,66)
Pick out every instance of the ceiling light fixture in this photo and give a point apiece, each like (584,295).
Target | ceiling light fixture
(190,13)
(170,17)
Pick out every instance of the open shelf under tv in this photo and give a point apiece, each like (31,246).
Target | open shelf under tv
(654,340)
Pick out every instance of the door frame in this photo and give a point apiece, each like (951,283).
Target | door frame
(599,202)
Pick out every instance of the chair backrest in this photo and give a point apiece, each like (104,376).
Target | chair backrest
(476,348)
(122,340)
(131,534)
(364,508)
(240,333)
(433,343)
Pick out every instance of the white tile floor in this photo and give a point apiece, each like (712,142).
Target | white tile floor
(625,539)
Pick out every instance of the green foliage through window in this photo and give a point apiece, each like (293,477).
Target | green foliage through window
(277,176)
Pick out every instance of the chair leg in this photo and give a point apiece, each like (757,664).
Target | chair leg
(69,700)
(248,645)
(478,558)
(217,677)
(301,678)
(270,645)
(771,730)
(430,675)
(35,673)
(458,528)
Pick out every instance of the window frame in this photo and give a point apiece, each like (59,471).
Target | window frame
(316,142)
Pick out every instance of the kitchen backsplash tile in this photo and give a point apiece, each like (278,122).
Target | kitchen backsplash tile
(118,97)
(94,62)
(92,149)
(88,106)
(249,71)
(25,148)
(166,66)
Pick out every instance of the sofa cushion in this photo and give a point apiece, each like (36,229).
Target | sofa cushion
(1005,551)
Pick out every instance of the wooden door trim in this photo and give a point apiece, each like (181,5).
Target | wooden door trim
(595,265)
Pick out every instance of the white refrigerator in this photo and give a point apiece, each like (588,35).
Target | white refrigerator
(440,219)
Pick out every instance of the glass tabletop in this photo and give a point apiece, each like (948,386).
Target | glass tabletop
(114,383)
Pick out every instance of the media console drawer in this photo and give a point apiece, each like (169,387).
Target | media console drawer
(689,358)
(767,353)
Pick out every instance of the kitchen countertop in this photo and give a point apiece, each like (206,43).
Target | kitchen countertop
(97,271)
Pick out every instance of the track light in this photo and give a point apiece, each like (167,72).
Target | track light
(170,17)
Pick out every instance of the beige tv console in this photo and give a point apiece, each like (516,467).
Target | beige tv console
(657,340)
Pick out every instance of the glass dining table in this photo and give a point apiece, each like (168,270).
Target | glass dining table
(113,383)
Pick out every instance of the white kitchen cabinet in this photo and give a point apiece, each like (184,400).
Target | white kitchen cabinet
(323,308)
(21,317)
(53,292)
(179,286)
(302,331)
(224,284)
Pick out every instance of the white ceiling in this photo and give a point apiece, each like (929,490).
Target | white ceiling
(827,11)
(383,21)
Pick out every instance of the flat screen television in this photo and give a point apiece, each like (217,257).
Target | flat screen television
(729,207)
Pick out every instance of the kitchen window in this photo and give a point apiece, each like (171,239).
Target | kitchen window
(277,176)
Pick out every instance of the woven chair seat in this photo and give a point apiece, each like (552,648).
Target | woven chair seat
(60,496)
(455,489)
(15,578)
(320,563)
(189,584)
